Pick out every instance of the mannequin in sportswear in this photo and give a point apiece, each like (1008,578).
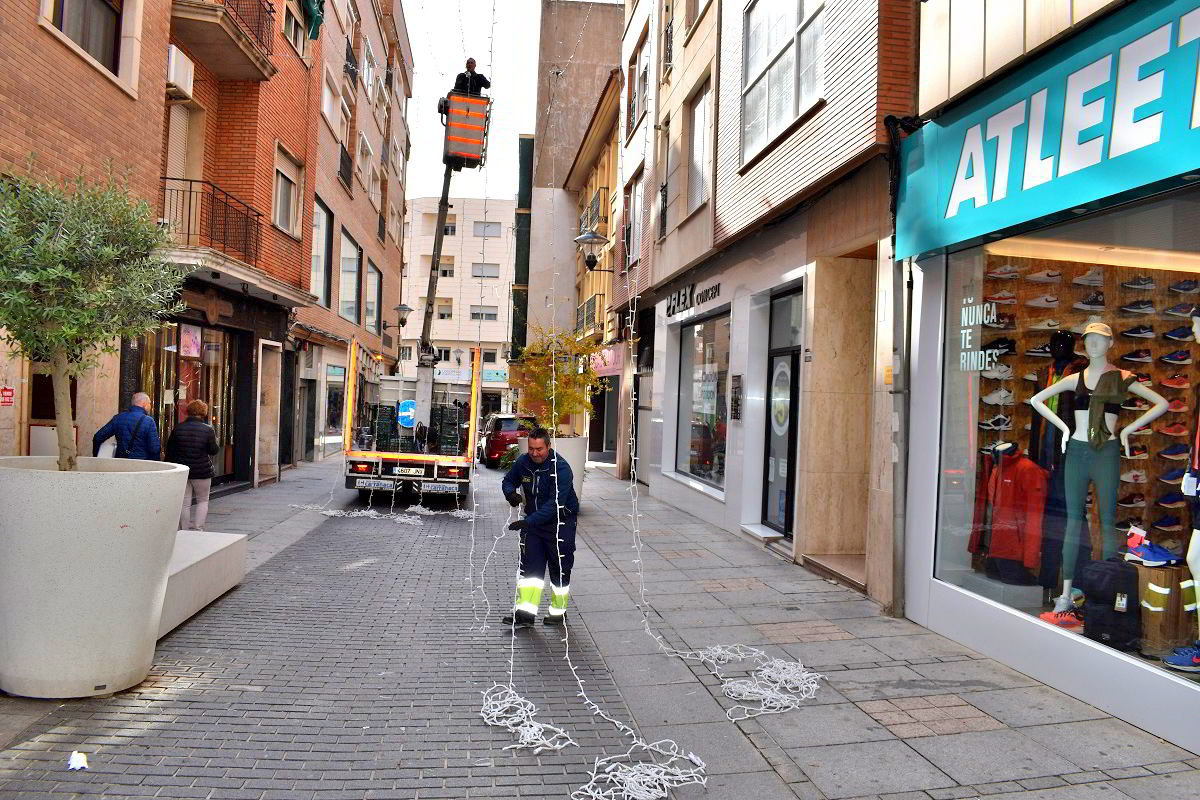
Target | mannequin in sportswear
(1193,551)
(1093,450)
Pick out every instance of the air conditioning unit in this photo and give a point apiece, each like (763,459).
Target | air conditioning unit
(180,71)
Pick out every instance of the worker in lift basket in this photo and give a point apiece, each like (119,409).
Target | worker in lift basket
(470,81)
(542,480)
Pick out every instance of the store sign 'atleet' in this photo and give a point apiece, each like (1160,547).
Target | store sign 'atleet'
(689,297)
(1113,109)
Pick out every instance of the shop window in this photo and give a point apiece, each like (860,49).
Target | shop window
(1084,332)
(783,46)
(485,313)
(322,253)
(374,300)
(335,401)
(480,270)
(703,399)
(350,286)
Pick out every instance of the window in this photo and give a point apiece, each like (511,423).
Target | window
(293,28)
(365,154)
(489,356)
(343,121)
(407,229)
(406,353)
(397,156)
(487,229)
(782,67)
(703,388)
(446,270)
(485,312)
(451,226)
(445,310)
(288,174)
(393,222)
(376,187)
(322,253)
(368,68)
(633,220)
(443,353)
(485,270)
(350,287)
(698,114)
(381,100)
(330,97)
(374,300)
(637,84)
(94,25)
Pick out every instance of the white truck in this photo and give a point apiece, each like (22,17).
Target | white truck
(388,452)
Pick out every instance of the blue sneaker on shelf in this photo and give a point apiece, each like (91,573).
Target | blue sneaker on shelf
(1180,334)
(1147,552)
(1176,452)
(1173,476)
(1184,659)
(1172,500)
(1185,287)
(1181,310)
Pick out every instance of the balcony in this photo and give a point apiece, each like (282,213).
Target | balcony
(201,214)
(346,168)
(589,317)
(233,38)
(350,68)
(594,217)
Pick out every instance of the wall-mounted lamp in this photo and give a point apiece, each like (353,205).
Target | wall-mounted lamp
(590,243)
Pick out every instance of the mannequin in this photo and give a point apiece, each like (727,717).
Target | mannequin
(1179,660)
(1093,451)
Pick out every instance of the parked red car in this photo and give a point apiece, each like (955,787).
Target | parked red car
(499,432)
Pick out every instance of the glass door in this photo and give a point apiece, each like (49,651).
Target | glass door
(783,394)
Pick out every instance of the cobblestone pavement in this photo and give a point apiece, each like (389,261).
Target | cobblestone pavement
(348,665)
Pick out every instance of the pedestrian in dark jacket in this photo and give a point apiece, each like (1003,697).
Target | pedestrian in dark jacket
(193,443)
(542,480)
(135,430)
(471,82)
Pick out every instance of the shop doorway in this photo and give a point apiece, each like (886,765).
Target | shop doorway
(307,405)
(602,426)
(491,404)
(270,373)
(783,389)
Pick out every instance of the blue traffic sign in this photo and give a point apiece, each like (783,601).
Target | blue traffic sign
(406,412)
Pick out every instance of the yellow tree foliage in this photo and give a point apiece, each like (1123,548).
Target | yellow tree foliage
(556,373)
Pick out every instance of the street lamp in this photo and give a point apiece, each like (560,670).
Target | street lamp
(590,242)
(402,312)
(458,354)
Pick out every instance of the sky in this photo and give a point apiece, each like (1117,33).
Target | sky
(505,46)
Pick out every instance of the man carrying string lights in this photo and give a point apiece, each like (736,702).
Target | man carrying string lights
(543,481)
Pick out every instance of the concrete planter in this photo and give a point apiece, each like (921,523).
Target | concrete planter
(83,569)
(574,449)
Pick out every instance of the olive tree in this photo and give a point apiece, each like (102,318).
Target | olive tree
(80,269)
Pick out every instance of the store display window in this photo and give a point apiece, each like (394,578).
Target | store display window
(1068,427)
(703,399)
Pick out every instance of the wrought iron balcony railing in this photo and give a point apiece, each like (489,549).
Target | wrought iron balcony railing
(202,214)
(257,17)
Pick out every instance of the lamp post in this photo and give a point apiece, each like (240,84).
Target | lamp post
(402,312)
(458,354)
(590,243)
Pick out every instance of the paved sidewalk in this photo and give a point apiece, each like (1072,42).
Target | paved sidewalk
(349,665)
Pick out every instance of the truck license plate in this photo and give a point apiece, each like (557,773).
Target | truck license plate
(410,471)
(439,487)
(372,483)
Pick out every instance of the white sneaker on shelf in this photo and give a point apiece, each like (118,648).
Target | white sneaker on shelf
(1045,301)
(1000,372)
(1046,325)
(1134,476)
(1004,272)
(1000,397)
(1093,277)
(1046,276)
(1004,298)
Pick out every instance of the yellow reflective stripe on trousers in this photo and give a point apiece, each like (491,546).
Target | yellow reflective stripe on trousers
(1155,597)
(529,594)
(1188,588)
(558,599)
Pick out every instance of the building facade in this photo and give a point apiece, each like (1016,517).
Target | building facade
(358,212)
(473,306)
(1047,214)
(770,278)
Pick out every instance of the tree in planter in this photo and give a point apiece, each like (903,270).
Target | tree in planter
(555,374)
(79,271)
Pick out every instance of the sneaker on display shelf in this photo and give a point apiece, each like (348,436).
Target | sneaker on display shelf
(1181,334)
(1135,404)
(1071,619)
(1181,310)
(1004,272)
(1184,659)
(1134,476)
(997,423)
(1146,552)
(1002,322)
(1174,476)
(1137,452)
(1133,500)
(1093,277)
(1000,372)
(1046,276)
(1138,307)
(1041,351)
(1177,406)
(1139,332)
(1141,282)
(1140,432)
(1044,301)
(1138,355)
(1176,381)
(1000,397)
(1174,429)
(1168,523)
(1185,287)
(1030,376)
(1172,500)
(1005,298)
(1177,357)
(1003,345)
(1093,302)
(1176,452)
(1126,525)
(1046,325)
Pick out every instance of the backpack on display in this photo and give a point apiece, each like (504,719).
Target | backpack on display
(1111,612)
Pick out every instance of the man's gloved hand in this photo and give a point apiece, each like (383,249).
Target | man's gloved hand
(514,499)
(517,526)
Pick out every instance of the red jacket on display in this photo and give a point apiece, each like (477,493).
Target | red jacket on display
(1016,491)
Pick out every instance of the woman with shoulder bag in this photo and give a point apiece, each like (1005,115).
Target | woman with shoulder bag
(193,443)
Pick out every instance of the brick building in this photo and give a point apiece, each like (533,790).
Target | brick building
(365,80)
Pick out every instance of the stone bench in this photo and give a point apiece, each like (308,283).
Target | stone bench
(204,566)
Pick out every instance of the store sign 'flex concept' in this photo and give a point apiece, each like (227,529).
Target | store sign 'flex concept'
(1115,108)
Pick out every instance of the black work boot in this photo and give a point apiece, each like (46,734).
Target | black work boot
(556,621)
(519,619)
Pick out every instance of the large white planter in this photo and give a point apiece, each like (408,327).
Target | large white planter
(83,569)
(574,450)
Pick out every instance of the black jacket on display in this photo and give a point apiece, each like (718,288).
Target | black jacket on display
(193,443)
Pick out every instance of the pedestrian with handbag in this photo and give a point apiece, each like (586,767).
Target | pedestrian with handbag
(135,431)
(193,443)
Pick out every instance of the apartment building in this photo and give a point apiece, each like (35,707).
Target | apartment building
(365,81)
(47,65)
(473,306)
(770,276)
